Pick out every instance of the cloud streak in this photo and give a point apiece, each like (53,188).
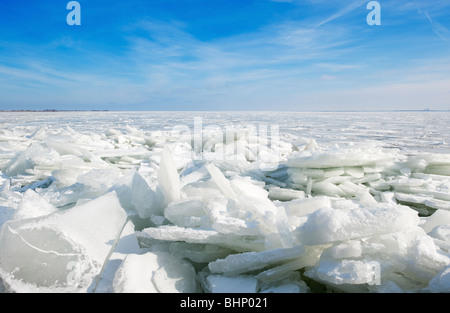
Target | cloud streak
(437,28)
(342,12)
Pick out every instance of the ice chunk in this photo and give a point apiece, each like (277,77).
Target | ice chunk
(441,236)
(311,145)
(71,167)
(327,188)
(187,213)
(310,258)
(406,182)
(36,154)
(65,177)
(368,178)
(47,253)
(299,178)
(144,200)
(64,145)
(221,181)
(234,284)
(429,190)
(388,197)
(245,262)
(249,187)
(426,258)
(306,206)
(33,205)
(225,223)
(428,201)
(204,190)
(155,272)
(428,177)
(356,172)
(168,177)
(350,189)
(284,194)
(193,173)
(8,196)
(348,249)
(411,254)
(99,180)
(299,175)
(125,244)
(5,186)
(440,217)
(6,214)
(330,225)
(341,272)
(230,241)
(200,253)
(441,282)
(89,185)
(365,198)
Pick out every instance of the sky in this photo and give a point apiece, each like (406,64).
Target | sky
(207,55)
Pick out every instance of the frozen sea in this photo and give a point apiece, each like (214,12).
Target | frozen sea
(406,130)
(225,201)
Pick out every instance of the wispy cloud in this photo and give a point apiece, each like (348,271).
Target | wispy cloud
(344,11)
(437,28)
(260,55)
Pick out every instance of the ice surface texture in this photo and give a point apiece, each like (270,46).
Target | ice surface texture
(103,209)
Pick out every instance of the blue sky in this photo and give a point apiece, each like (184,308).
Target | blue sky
(225,55)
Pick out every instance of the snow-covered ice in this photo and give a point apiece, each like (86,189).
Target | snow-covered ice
(224,202)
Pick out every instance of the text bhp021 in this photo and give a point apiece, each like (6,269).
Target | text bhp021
(229,302)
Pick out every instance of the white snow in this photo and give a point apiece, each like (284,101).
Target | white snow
(115,202)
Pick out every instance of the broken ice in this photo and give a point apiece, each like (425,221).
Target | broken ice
(100,208)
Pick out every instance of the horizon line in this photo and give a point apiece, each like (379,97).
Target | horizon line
(243,110)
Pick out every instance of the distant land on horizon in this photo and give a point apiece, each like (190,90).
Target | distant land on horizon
(319,111)
(53,110)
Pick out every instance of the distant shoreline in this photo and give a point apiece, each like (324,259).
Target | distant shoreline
(287,111)
(51,111)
